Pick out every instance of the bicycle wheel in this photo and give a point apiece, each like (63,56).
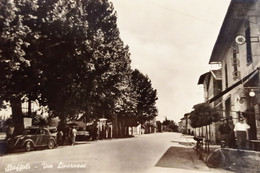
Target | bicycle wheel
(216,159)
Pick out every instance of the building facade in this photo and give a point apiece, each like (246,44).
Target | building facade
(212,85)
(237,49)
(184,126)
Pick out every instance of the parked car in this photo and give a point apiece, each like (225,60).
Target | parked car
(53,130)
(82,132)
(32,137)
(82,135)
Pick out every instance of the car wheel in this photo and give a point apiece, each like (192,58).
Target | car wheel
(28,146)
(51,144)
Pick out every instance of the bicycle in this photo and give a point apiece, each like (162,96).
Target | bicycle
(222,144)
(218,159)
(199,146)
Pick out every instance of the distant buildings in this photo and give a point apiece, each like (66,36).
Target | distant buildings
(184,125)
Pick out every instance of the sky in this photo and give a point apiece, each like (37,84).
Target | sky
(171,41)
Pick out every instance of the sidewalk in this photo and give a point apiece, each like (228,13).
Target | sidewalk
(181,157)
(242,161)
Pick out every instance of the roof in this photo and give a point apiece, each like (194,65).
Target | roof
(217,74)
(235,16)
(187,114)
(202,78)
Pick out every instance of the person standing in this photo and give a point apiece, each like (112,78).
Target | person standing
(66,136)
(74,134)
(240,130)
(232,138)
(60,137)
(95,130)
(224,131)
(10,131)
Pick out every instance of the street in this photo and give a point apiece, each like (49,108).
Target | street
(161,152)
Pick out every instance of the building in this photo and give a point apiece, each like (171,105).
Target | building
(184,125)
(212,85)
(150,126)
(237,49)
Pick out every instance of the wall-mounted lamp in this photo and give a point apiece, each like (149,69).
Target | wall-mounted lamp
(252,93)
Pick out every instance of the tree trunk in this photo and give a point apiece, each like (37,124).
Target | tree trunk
(123,128)
(119,127)
(127,128)
(29,106)
(17,115)
(207,140)
(62,123)
(115,127)
(210,133)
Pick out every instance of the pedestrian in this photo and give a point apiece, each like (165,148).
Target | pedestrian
(232,138)
(74,134)
(66,136)
(240,130)
(95,130)
(60,137)
(10,131)
(224,130)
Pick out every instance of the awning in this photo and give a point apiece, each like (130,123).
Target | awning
(253,80)
(242,81)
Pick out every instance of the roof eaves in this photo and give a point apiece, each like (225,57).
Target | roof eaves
(235,15)
(202,78)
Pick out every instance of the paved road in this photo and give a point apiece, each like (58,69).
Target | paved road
(162,152)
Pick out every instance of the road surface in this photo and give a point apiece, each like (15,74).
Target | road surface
(161,152)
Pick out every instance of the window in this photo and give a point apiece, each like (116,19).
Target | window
(235,62)
(248,46)
(226,76)
(228,107)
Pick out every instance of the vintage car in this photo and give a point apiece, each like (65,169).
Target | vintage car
(32,137)
(82,130)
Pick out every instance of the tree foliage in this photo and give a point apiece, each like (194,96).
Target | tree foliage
(170,124)
(68,56)
(203,115)
(146,96)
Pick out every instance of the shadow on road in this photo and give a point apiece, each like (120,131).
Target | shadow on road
(181,157)
(185,143)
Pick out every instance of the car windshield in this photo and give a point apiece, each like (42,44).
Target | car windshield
(53,130)
(30,131)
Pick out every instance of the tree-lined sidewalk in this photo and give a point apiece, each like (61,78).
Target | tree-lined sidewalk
(69,57)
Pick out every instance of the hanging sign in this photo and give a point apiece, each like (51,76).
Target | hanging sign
(240,39)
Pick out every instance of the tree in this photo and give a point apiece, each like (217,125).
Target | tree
(68,56)
(203,115)
(16,74)
(48,52)
(171,125)
(146,96)
(125,105)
